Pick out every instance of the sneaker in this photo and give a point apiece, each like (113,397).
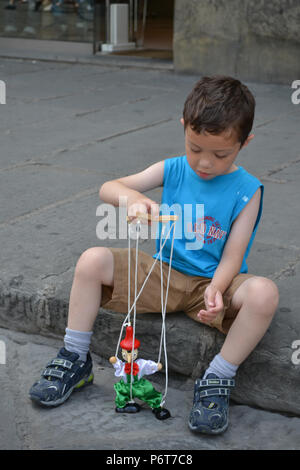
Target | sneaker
(62,375)
(210,411)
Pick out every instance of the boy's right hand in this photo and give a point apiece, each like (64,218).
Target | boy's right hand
(144,206)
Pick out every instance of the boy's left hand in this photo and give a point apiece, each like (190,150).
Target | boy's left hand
(214,304)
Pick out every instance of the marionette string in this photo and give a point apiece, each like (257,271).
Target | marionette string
(163,311)
(127,318)
(136,296)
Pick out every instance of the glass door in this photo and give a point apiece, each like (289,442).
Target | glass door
(60,20)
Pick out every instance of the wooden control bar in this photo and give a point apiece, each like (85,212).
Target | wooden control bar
(148,217)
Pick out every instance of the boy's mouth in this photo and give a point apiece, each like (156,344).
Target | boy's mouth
(203,175)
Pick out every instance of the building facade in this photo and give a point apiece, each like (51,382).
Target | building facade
(255,40)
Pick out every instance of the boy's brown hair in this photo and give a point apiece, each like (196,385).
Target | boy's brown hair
(220,103)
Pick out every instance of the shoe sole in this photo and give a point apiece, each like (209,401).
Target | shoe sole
(205,430)
(86,381)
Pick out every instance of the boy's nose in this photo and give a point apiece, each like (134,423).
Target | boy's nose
(204,165)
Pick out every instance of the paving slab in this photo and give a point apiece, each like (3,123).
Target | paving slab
(46,183)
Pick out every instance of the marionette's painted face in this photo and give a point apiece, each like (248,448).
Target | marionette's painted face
(128,357)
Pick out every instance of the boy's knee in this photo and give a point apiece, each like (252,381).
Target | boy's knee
(92,262)
(263,292)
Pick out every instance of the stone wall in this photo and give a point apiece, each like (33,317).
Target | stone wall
(254,40)
(268,379)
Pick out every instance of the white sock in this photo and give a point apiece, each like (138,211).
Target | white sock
(222,368)
(78,342)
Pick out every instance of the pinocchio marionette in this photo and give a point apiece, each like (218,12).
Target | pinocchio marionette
(141,388)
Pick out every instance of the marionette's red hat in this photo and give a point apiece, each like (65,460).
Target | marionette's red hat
(126,343)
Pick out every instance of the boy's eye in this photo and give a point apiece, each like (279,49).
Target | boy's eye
(221,156)
(196,151)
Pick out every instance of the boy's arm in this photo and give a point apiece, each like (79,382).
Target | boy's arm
(232,257)
(237,243)
(132,187)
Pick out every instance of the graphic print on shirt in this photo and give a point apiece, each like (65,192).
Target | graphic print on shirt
(207,229)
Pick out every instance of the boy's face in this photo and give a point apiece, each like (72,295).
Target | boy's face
(212,155)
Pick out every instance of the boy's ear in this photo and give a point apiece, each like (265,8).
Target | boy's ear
(249,138)
(182,121)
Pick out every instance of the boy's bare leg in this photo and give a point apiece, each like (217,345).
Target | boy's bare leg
(257,299)
(94,268)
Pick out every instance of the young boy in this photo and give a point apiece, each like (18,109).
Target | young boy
(210,284)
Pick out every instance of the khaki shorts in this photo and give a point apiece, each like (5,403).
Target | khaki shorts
(186,293)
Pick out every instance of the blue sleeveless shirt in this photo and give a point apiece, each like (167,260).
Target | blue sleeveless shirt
(206,210)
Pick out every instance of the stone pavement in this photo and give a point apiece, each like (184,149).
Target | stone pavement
(88,421)
(66,129)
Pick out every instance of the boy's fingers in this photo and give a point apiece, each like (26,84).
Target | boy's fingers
(213,309)
(205,315)
(219,298)
(135,208)
(211,301)
(144,206)
(217,305)
(208,313)
(154,209)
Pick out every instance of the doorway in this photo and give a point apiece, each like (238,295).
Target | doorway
(152,30)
